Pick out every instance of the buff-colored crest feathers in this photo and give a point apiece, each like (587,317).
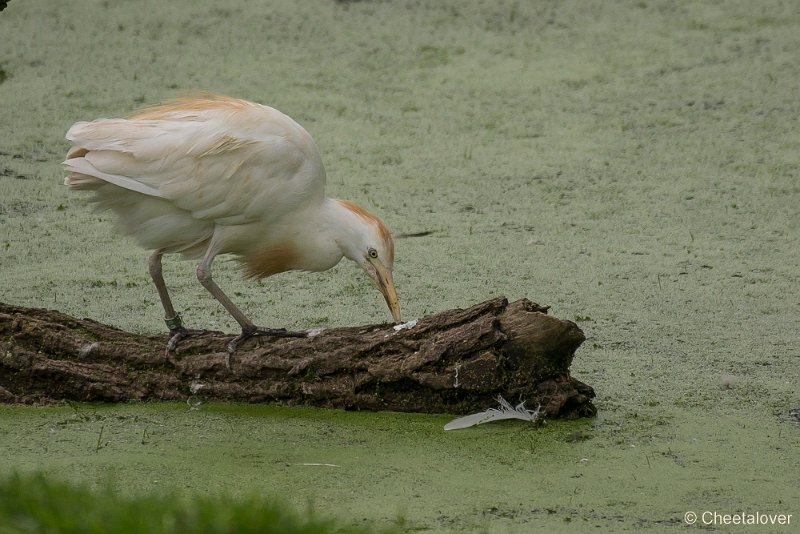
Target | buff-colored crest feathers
(198,103)
(386,235)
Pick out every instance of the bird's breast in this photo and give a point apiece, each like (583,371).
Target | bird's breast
(266,260)
(297,254)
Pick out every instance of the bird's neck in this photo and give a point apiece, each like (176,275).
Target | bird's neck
(324,234)
(312,239)
(339,227)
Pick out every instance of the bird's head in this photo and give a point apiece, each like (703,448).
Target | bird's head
(368,242)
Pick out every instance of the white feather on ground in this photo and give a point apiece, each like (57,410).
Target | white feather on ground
(506,411)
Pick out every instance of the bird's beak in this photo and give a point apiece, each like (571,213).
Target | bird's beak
(385,283)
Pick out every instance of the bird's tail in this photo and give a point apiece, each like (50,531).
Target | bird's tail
(101,151)
(78,180)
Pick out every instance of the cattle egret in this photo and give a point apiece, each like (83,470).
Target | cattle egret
(210,175)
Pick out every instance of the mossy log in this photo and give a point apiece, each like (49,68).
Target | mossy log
(456,361)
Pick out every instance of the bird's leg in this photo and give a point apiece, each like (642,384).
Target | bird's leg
(171,317)
(204,276)
(248,328)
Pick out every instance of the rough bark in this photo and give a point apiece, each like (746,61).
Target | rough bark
(456,361)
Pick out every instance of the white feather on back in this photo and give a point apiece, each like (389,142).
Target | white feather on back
(176,172)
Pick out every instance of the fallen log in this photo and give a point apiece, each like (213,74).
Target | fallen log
(456,361)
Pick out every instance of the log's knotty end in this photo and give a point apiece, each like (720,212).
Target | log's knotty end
(539,341)
(528,306)
(564,397)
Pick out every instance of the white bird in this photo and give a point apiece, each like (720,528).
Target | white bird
(210,175)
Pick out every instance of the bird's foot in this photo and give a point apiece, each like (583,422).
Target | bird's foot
(177,332)
(252,331)
(278,332)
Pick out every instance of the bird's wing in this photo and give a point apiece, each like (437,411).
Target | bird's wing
(225,160)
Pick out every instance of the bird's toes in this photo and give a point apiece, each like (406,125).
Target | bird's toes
(248,332)
(177,335)
(233,345)
(279,332)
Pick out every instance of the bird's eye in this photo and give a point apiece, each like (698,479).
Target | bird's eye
(372,253)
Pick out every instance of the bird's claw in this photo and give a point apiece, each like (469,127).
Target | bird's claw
(248,332)
(278,332)
(177,334)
